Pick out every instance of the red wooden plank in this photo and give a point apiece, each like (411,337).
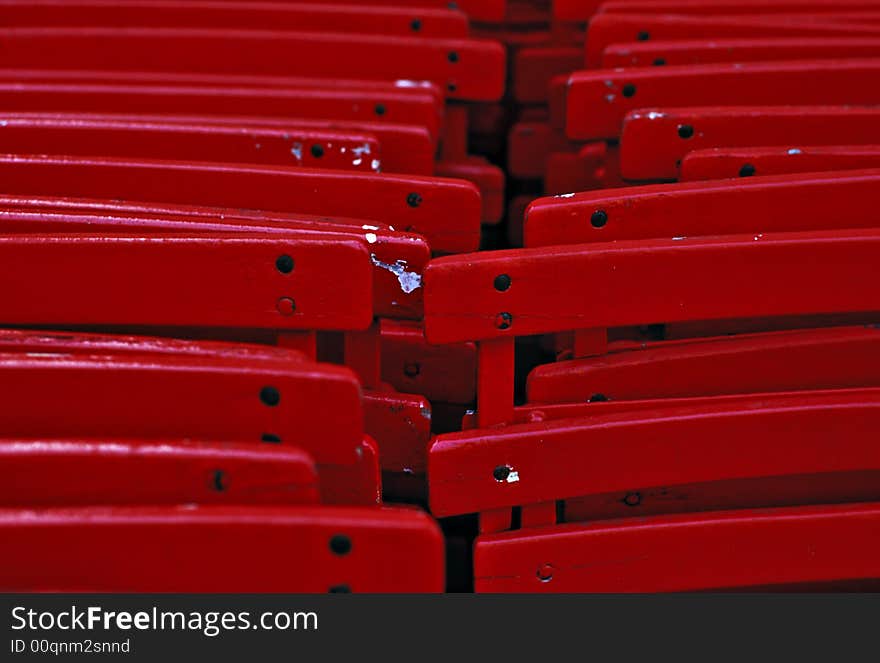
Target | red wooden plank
(189,140)
(598,100)
(751,437)
(465,68)
(609,284)
(607,29)
(65,473)
(705,51)
(746,161)
(301,549)
(299,16)
(781,361)
(687,210)
(161,279)
(654,141)
(447,212)
(722,550)
(397,259)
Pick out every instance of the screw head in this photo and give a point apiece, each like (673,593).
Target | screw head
(599,218)
(317,151)
(501,472)
(219,481)
(415,25)
(284,264)
(380,109)
(643,35)
(286,306)
(628,90)
(271,438)
(503,321)
(411,369)
(270,396)
(502,282)
(685,131)
(598,398)
(452,56)
(632,499)
(545,573)
(340,544)
(659,62)
(747,170)
(413,200)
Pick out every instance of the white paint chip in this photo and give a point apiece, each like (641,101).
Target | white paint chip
(513,477)
(409,281)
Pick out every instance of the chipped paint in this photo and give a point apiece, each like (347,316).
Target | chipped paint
(297,150)
(564,195)
(513,477)
(376,165)
(794,150)
(409,281)
(371,237)
(368,227)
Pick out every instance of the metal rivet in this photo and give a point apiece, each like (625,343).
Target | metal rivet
(502,282)
(685,130)
(452,87)
(286,306)
(452,57)
(659,62)
(340,589)
(599,218)
(317,151)
(628,90)
(380,109)
(416,25)
(219,480)
(270,396)
(597,398)
(284,264)
(545,573)
(644,35)
(270,438)
(502,472)
(340,544)
(503,320)
(413,200)
(412,369)
(632,499)
(747,170)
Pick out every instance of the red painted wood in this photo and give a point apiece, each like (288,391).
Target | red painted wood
(597,100)
(618,283)
(475,72)
(705,51)
(606,29)
(814,201)
(115,550)
(333,100)
(723,550)
(724,162)
(749,437)
(397,259)
(65,473)
(777,361)
(190,140)
(447,212)
(205,279)
(655,141)
(444,373)
(401,425)
(173,394)
(299,16)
